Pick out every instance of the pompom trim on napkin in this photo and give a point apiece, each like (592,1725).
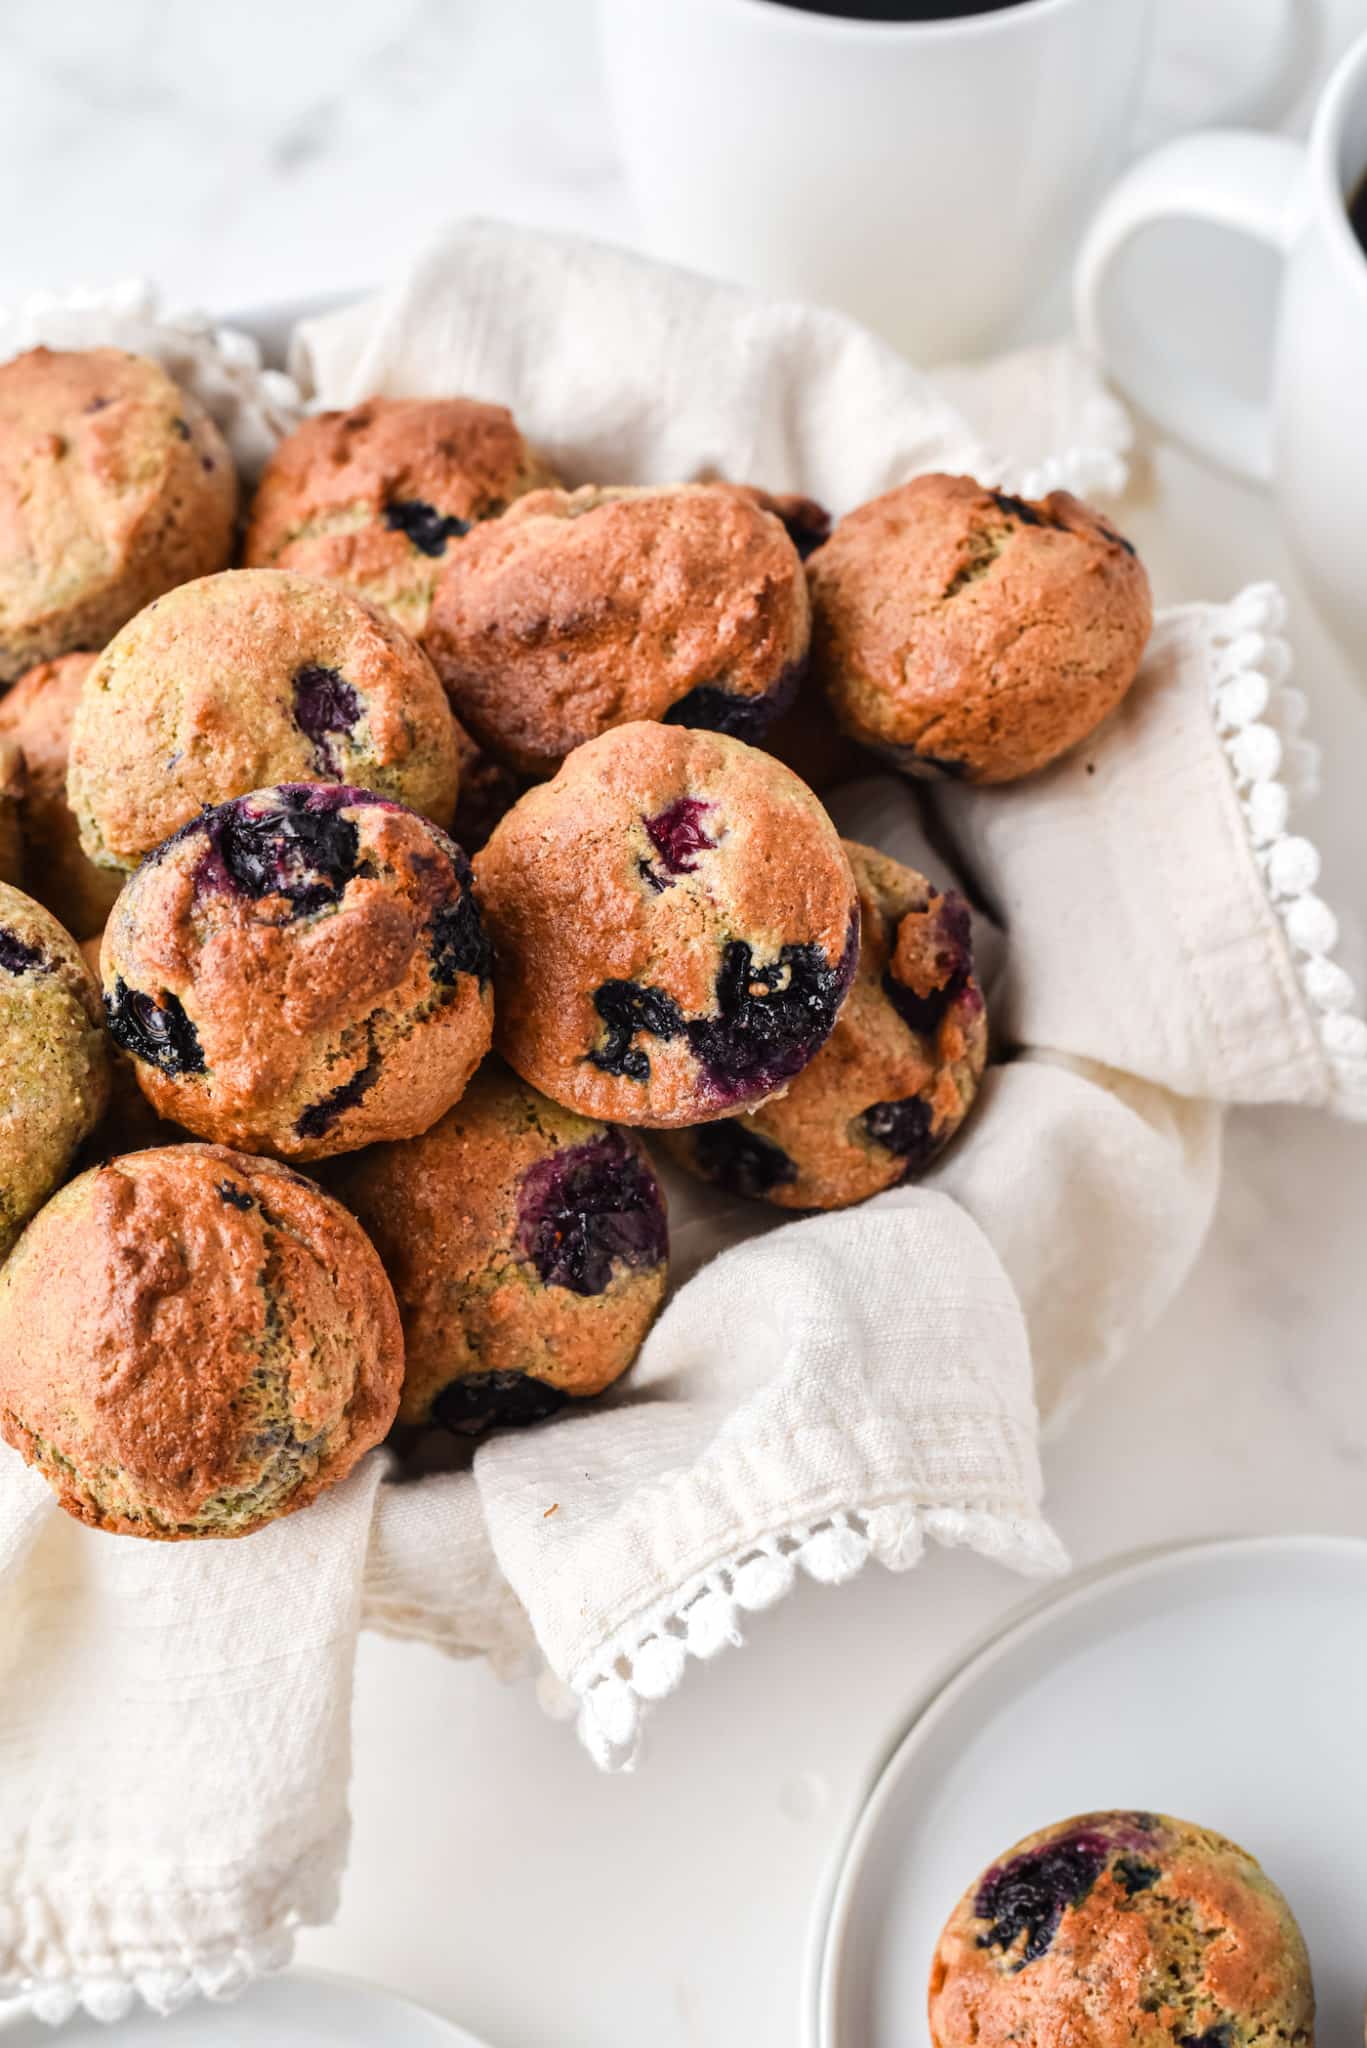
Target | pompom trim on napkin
(220,366)
(1259,717)
(646,1661)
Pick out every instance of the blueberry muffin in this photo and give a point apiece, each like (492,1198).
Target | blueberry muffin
(675,927)
(37,714)
(1123,1930)
(193,1342)
(894,1080)
(579,611)
(374,497)
(13,784)
(963,632)
(114,486)
(301,971)
(242,680)
(129,1122)
(54,1068)
(527,1248)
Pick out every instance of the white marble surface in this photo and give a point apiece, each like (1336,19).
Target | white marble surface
(246,152)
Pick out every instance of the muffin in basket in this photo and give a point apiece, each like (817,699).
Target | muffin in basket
(579,611)
(527,1247)
(301,971)
(242,680)
(54,1067)
(193,1342)
(675,927)
(960,631)
(37,714)
(114,485)
(894,1080)
(376,497)
(1122,1930)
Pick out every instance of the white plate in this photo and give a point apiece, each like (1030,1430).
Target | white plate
(1224,1683)
(302,2010)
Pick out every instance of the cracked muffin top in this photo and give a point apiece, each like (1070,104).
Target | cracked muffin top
(193,1342)
(114,485)
(675,927)
(246,679)
(375,497)
(894,1080)
(527,1247)
(38,714)
(301,971)
(1123,1930)
(580,611)
(962,632)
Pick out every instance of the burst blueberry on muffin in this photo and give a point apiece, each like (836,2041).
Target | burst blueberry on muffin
(193,1342)
(675,927)
(38,713)
(376,497)
(114,485)
(1123,1930)
(580,611)
(13,786)
(54,1069)
(963,632)
(527,1247)
(894,1080)
(129,1123)
(301,971)
(243,680)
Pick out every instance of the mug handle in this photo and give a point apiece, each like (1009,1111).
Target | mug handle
(1253,185)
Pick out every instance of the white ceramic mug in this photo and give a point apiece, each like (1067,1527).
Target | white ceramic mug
(1307,431)
(929,177)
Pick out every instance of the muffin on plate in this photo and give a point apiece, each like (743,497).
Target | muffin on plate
(585,610)
(13,784)
(527,1247)
(894,1080)
(675,927)
(54,1069)
(114,485)
(193,1342)
(243,680)
(375,497)
(301,971)
(1123,1930)
(38,714)
(963,632)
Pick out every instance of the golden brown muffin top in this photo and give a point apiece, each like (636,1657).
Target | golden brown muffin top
(374,497)
(970,633)
(579,611)
(194,1342)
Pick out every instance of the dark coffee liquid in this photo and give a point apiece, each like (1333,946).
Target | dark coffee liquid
(1357,213)
(899,10)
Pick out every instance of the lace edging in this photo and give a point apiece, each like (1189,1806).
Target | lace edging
(1259,717)
(646,1661)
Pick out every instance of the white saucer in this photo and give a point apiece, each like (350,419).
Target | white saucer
(301,2010)
(1224,1683)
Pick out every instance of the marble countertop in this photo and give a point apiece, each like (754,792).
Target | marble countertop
(241,154)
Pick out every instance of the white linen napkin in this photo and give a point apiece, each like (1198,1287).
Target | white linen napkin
(174,1720)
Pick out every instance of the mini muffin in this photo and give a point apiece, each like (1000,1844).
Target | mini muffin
(13,784)
(964,632)
(527,1248)
(374,497)
(675,927)
(114,486)
(244,680)
(38,714)
(1123,1930)
(193,1342)
(54,1068)
(894,1080)
(579,611)
(301,971)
